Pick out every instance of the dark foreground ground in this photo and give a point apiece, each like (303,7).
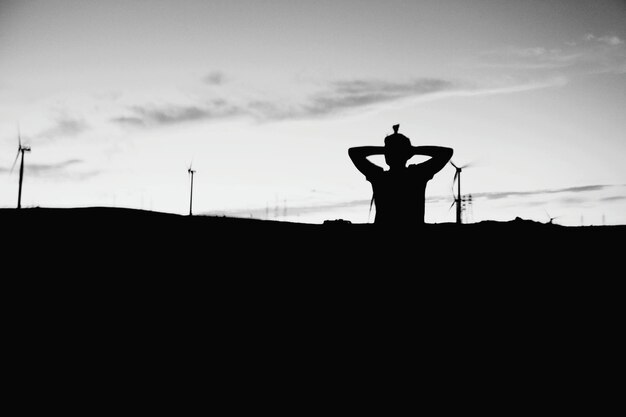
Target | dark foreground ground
(265,315)
(122,250)
(127,241)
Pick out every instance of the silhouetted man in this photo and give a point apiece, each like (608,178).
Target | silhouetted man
(399,192)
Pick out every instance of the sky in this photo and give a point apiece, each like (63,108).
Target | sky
(263,98)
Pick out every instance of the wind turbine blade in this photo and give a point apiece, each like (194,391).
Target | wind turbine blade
(19,136)
(452,205)
(453,164)
(456,174)
(14,162)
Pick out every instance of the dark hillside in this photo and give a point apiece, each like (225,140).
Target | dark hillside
(101,293)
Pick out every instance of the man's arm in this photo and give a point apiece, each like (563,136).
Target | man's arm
(439,157)
(359,156)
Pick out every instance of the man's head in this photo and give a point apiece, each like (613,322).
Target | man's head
(397,149)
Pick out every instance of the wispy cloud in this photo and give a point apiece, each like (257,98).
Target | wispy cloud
(129,121)
(530,58)
(572,200)
(510,87)
(353,94)
(214,78)
(613,198)
(64,127)
(496,195)
(343,96)
(272,110)
(59,170)
(591,54)
(505,194)
(43,169)
(608,40)
(362,94)
(173,114)
(335,98)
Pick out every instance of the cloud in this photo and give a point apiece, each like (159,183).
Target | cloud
(336,98)
(64,127)
(59,170)
(171,114)
(532,198)
(43,169)
(358,95)
(214,78)
(533,58)
(595,54)
(613,198)
(352,94)
(579,189)
(269,110)
(129,121)
(605,54)
(531,68)
(536,51)
(505,194)
(608,40)
(510,88)
(611,40)
(572,200)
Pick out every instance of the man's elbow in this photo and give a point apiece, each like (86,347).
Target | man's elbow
(448,153)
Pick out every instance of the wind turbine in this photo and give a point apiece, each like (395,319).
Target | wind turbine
(191,172)
(458,200)
(20,149)
(550,218)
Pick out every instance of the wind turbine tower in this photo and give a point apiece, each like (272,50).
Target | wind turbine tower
(20,150)
(457,200)
(191,172)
